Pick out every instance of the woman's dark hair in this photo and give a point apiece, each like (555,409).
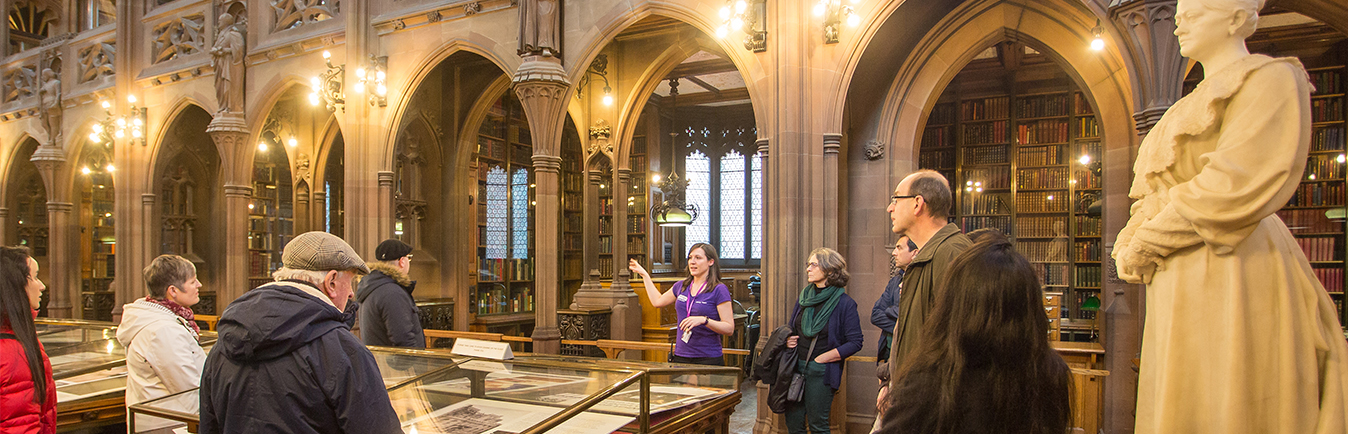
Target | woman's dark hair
(713,273)
(985,344)
(833,265)
(16,311)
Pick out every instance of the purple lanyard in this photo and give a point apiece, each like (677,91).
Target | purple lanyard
(688,307)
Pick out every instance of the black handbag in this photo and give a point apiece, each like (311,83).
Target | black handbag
(796,391)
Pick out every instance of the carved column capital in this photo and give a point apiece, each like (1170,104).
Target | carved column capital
(832,143)
(238,190)
(4,212)
(624,174)
(60,207)
(547,163)
(147,198)
(1148,27)
(762,145)
(385,178)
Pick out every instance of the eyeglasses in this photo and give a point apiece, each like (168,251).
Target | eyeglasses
(811,265)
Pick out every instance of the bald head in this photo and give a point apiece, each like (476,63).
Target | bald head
(934,190)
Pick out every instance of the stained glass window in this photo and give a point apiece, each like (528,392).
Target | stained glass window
(732,205)
(519,209)
(698,168)
(756,205)
(497,213)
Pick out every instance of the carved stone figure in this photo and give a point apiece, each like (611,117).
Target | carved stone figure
(49,101)
(538,28)
(1241,337)
(227,59)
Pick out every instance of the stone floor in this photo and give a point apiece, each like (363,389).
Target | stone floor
(742,421)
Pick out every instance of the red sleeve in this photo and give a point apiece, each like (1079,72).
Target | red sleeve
(48,418)
(17,411)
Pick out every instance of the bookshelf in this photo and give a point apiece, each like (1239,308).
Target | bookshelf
(573,218)
(605,221)
(1315,214)
(502,300)
(98,246)
(638,225)
(271,215)
(1012,142)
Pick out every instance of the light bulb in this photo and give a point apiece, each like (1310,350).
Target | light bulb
(1311,177)
(262,147)
(359,88)
(655,178)
(120,134)
(110,168)
(1342,158)
(360,73)
(380,90)
(819,9)
(379,75)
(93,137)
(131,99)
(292,142)
(313,81)
(736,23)
(313,98)
(250,206)
(135,133)
(722,31)
(740,6)
(978,190)
(968,189)
(137,122)
(85,170)
(968,183)
(326,55)
(1050,197)
(106,214)
(853,20)
(725,12)
(1097,44)
(98,128)
(105,104)
(121,122)
(1085,159)
(608,99)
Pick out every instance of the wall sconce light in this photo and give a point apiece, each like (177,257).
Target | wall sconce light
(115,127)
(747,16)
(370,80)
(1098,42)
(328,86)
(834,14)
(598,67)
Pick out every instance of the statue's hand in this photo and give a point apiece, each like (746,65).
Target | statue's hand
(1137,266)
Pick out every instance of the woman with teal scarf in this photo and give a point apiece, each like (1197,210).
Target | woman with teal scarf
(827,332)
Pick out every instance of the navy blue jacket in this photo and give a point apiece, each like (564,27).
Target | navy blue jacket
(844,334)
(285,362)
(885,315)
(389,316)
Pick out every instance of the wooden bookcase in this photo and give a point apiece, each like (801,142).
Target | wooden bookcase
(1316,212)
(606,221)
(573,218)
(271,221)
(502,300)
(98,245)
(1013,149)
(638,224)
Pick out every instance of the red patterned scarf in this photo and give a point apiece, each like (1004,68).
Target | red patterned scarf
(184,312)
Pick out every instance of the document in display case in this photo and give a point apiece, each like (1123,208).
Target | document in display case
(434,392)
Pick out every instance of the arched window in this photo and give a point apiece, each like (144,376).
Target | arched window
(726,187)
(498,213)
(698,169)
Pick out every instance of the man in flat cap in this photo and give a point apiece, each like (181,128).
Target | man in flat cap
(286,362)
(388,314)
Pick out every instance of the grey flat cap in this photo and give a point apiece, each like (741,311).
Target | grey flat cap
(321,251)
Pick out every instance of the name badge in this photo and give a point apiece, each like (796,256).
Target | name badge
(683,297)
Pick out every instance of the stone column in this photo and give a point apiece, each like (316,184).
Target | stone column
(230,134)
(4,223)
(386,212)
(1148,27)
(621,180)
(625,319)
(590,241)
(63,255)
(541,85)
(832,145)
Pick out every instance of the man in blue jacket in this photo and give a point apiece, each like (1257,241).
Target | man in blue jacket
(285,361)
(389,316)
(885,313)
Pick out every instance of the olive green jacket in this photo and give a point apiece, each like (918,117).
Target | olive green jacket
(920,284)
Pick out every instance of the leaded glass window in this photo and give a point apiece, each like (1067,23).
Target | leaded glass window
(519,209)
(726,186)
(698,169)
(732,205)
(756,205)
(497,213)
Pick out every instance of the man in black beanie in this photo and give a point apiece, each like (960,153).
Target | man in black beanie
(388,314)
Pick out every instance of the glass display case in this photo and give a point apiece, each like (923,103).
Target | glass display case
(434,393)
(56,334)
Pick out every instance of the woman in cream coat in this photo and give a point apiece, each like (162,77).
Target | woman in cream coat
(163,355)
(1240,337)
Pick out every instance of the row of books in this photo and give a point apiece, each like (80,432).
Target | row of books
(259,264)
(571,182)
(1083,106)
(606,205)
(571,163)
(638,164)
(942,114)
(605,244)
(990,177)
(1317,194)
(1049,177)
(499,269)
(1045,131)
(496,301)
(1001,223)
(987,108)
(1320,248)
(1087,250)
(1327,139)
(1327,110)
(1088,276)
(1042,201)
(1041,156)
(636,246)
(1042,106)
(1051,274)
(937,159)
(606,267)
(1323,167)
(490,148)
(573,223)
(1045,251)
(980,134)
(1310,221)
(1327,82)
(1331,279)
(1042,227)
(636,224)
(636,204)
(986,155)
(573,242)
(1088,127)
(1081,297)
(572,268)
(983,204)
(1086,179)
(1087,226)
(573,201)
(936,137)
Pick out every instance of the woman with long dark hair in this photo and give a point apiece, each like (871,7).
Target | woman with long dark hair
(696,306)
(27,392)
(827,331)
(984,364)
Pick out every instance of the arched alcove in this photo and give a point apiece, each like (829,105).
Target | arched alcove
(187,185)
(97,238)
(26,224)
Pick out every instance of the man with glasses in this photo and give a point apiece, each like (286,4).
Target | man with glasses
(920,211)
(388,314)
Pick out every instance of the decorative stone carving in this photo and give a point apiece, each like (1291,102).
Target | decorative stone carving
(874,150)
(178,37)
(227,59)
(1149,27)
(434,16)
(49,106)
(539,28)
(472,8)
(399,24)
(20,82)
(295,13)
(96,61)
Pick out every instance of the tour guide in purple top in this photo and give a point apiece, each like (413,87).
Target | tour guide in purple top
(704,314)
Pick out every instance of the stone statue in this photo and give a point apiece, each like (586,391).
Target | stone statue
(1241,337)
(49,105)
(538,28)
(227,59)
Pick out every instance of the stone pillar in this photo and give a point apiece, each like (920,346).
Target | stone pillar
(625,306)
(4,223)
(590,241)
(832,146)
(63,255)
(1148,28)
(386,212)
(621,180)
(230,133)
(541,85)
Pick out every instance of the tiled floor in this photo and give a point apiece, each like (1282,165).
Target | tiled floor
(742,421)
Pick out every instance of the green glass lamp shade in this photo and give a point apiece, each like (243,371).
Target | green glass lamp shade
(1092,303)
(674,217)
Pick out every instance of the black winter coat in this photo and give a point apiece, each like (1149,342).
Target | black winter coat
(775,366)
(286,363)
(388,315)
